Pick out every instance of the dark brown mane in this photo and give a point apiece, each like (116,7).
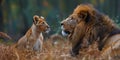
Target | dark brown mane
(93,26)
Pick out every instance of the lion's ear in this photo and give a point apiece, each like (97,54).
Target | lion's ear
(84,15)
(35,19)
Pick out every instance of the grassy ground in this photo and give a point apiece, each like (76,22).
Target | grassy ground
(54,48)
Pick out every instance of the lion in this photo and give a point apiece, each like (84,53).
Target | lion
(33,39)
(86,25)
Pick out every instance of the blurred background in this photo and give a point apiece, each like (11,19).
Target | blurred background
(16,15)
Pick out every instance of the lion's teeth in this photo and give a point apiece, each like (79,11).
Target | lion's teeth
(64,34)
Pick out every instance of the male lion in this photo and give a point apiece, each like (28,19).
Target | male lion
(86,25)
(33,39)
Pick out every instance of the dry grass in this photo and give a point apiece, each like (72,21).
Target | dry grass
(7,53)
(54,48)
(4,35)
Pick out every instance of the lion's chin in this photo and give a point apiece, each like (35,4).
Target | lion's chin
(65,33)
(47,30)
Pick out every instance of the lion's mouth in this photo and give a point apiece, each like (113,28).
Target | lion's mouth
(47,30)
(65,33)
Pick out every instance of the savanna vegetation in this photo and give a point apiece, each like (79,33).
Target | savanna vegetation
(16,17)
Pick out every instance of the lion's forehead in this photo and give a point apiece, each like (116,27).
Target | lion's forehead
(42,21)
(69,18)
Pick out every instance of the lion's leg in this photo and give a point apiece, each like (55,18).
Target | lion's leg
(112,47)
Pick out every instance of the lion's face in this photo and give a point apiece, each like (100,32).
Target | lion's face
(68,25)
(82,13)
(41,24)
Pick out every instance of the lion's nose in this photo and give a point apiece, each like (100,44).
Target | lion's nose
(61,23)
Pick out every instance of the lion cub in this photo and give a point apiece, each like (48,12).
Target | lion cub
(33,39)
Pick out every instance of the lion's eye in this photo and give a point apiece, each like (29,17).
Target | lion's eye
(70,20)
(71,17)
(42,23)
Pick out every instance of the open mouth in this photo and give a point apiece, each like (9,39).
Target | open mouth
(65,33)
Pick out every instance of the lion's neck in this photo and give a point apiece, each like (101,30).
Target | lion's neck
(35,32)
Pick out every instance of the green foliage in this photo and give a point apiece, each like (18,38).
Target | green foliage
(7,42)
(17,14)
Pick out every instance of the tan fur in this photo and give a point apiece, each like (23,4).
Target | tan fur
(91,26)
(112,47)
(33,39)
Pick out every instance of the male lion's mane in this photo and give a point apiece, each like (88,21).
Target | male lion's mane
(95,27)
